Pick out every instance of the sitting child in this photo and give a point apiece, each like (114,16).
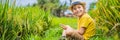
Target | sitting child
(86,25)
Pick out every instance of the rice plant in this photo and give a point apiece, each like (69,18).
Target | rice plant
(107,16)
(22,22)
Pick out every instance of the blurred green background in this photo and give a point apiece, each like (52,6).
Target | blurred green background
(40,21)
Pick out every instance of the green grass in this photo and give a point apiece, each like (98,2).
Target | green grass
(55,32)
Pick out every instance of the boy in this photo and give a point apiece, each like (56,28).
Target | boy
(86,25)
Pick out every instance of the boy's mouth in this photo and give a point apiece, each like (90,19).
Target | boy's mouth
(80,10)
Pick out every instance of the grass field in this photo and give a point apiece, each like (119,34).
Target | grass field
(55,32)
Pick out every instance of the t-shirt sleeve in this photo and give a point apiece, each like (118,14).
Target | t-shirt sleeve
(85,22)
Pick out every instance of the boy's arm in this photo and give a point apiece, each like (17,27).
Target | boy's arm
(81,31)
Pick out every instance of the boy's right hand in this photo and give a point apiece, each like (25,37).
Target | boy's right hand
(68,30)
(63,26)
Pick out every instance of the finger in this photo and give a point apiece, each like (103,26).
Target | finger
(62,25)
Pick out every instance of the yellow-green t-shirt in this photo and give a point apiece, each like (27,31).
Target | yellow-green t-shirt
(87,22)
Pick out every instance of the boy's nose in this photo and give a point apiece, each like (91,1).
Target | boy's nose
(78,10)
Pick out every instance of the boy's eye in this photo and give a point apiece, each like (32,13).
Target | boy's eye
(74,8)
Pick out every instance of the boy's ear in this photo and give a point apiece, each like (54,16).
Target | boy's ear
(70,8)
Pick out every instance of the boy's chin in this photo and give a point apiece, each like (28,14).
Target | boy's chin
(79,15)
(76,15)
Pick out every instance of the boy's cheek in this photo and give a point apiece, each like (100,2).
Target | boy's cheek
(74,13)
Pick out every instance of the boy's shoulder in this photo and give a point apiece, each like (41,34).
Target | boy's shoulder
(86,15)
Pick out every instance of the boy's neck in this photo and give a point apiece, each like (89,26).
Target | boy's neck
(82,14)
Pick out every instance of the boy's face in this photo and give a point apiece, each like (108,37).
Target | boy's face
(78,10)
